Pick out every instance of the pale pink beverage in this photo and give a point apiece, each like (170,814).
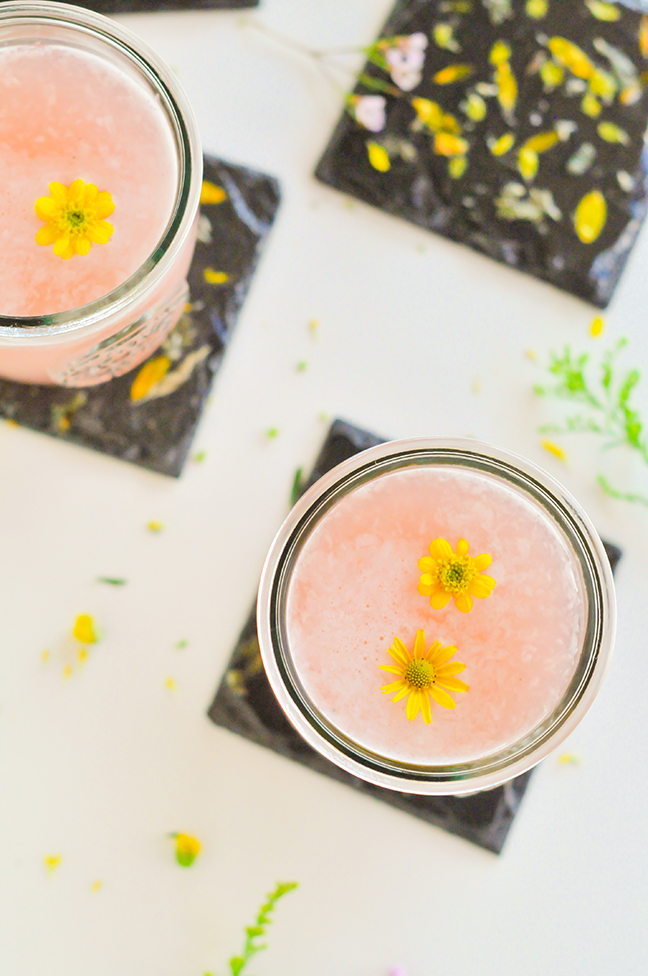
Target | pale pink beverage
(87,105)
(344,583)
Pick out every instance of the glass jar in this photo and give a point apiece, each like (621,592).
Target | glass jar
(112,334)
(595,627)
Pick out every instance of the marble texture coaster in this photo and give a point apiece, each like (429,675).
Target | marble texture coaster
(156,429)
(245,704)
(515,127)
(151,6)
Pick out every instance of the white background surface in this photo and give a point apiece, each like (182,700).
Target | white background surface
(99,768)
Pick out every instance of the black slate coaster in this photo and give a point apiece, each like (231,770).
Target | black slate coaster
(151,6)
(245,704)
(156,431)
(432,128)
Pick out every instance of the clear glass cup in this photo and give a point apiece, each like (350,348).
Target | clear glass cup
(111,335)
(519,756)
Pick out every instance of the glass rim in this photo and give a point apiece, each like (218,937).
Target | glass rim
(457,778)
(185,131)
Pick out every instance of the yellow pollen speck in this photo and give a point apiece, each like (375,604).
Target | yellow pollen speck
(170,684)
(67,672)
(568,759)
(45,656)
(555,450)
(531,354)
(187,849)
(313,327)
(52,861)
(597,326)
(96,886)
(84,629)
(476,386)
(210,193)
(82,656)
(74,218)
(213,277)
(155,526)
(537,9)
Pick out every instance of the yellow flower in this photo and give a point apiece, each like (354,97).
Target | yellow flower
(85,629)
(187,849)
(74,218)
(448,574)
(423,676)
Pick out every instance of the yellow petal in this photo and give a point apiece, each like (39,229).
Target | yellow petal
(457,167)
(394,686)
(542,142)
(571,56)
(90,194)
(612,133)
(426,590)
(426,711)
(378,157)
(591,105)
(47,234)
(413,704)
(453,684)
(391,668)
(446,144)
(75,191)
(528,162)
(432,650)
(537,9)
(427,580)
(440,600)
(426,564)
(442,655)
(211,194)
(150,374)
(428,112)
(101,232)
(462,547)
(213,277)
(46,208)
(419,644)
(464,602)
(398,655)
(453,73)
(440,549)
(84,629)
(643,36)
(401,694)
(590,217)
(82,245)
(62,247)
(398,645)
(603,11)
(500,52)
(482,562)
(58,192)
(448,670)
(441,696)
(481,586)
(502,145)
(597,326)
(104,205)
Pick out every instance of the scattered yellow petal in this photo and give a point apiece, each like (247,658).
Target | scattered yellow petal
(84,629)
(590,217)
(475,107)
(457,167)
(155,526)
(502,145)
(187,849)
(591,105)
(597,326)
(571,57)
(96,886)
(428,112)
(213,277)
(453,73)
(500,52)
(552,75)
(52,861)
(555,450)
(612,133)
(170,684)
(378,157)
(67,672)
(643,36)
(537,9)
(568,759)
(11,423)
(449,145)
(150,374)
(542,142)
(603,11)
(45,656)
(210,193)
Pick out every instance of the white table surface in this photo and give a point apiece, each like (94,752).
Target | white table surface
(99,768)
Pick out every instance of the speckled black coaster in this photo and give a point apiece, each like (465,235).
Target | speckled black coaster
(156,429)
(150,6)
(513,126)
(245,703)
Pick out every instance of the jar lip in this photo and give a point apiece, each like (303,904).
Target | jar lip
(185,130)
(489,771)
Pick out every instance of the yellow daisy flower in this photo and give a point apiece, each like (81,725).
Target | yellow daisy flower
(448,574)
(423,676)
(74,218)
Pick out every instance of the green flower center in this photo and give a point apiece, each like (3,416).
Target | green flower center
(76,218)
(420,674)
(455,574)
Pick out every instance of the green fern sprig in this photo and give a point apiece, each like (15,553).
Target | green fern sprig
(254,933)
(607,397)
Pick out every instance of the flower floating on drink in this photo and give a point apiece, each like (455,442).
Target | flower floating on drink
(74,218)
(449,574)
(423,676)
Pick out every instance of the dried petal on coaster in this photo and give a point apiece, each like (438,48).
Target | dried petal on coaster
(514,128)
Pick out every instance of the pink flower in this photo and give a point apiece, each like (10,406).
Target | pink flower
(370,112)
(406,59)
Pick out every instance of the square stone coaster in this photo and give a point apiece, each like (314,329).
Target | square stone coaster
(156,429)
(151,6)
(514,127)
(245,704)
